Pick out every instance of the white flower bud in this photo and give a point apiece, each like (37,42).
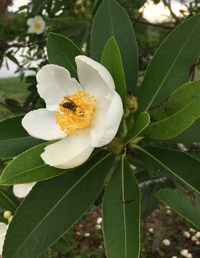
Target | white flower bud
(7,214)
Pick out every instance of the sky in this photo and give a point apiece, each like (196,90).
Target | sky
(153,13)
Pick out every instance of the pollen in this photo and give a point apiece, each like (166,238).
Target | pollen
(76,112)
(37,25)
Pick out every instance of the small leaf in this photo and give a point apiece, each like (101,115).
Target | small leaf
(111,59)
(177,113)
(121,214)
(139,126)
(171,63)
(182,203)
(29,167)
(174,164)
(112,20)
(13,138)
(53,206)
(62,51)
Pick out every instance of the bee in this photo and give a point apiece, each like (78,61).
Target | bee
(69,104)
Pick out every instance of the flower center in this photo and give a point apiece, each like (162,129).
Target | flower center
(76,112)
(37,25)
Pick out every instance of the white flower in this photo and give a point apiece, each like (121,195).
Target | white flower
(3,230)
(166,242)
(22,190)
(83,116)
(36,25)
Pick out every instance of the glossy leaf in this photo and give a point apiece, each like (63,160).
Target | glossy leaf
(190,135)
(29,167)
(139,126)
(186,205)
(170,65)
(111,59)
(177,113)
(13,138)
(174,164)
(121,214)
(62,51)
(112,20)
(53,206)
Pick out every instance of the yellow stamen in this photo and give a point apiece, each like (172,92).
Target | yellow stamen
(37,25)
(76,112)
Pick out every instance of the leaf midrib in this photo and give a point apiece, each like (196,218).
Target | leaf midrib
(166,167)
(16,138)
(124,208)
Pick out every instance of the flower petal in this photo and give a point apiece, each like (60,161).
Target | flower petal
(41,124)
(94,78)
(69,152)
(107,121)
(22,190)
(43,25)
(3,231)
(55,82)
(30,21)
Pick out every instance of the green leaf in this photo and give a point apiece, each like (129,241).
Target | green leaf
(190,135)
(121,214)
(170,65)
(149,200)
(13,138)
(111,59)
(184,204)
(177,113)
(62,51)
(53,206)
(174,164)
(112,20)
(29,167)
(8,201)
(139,126)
